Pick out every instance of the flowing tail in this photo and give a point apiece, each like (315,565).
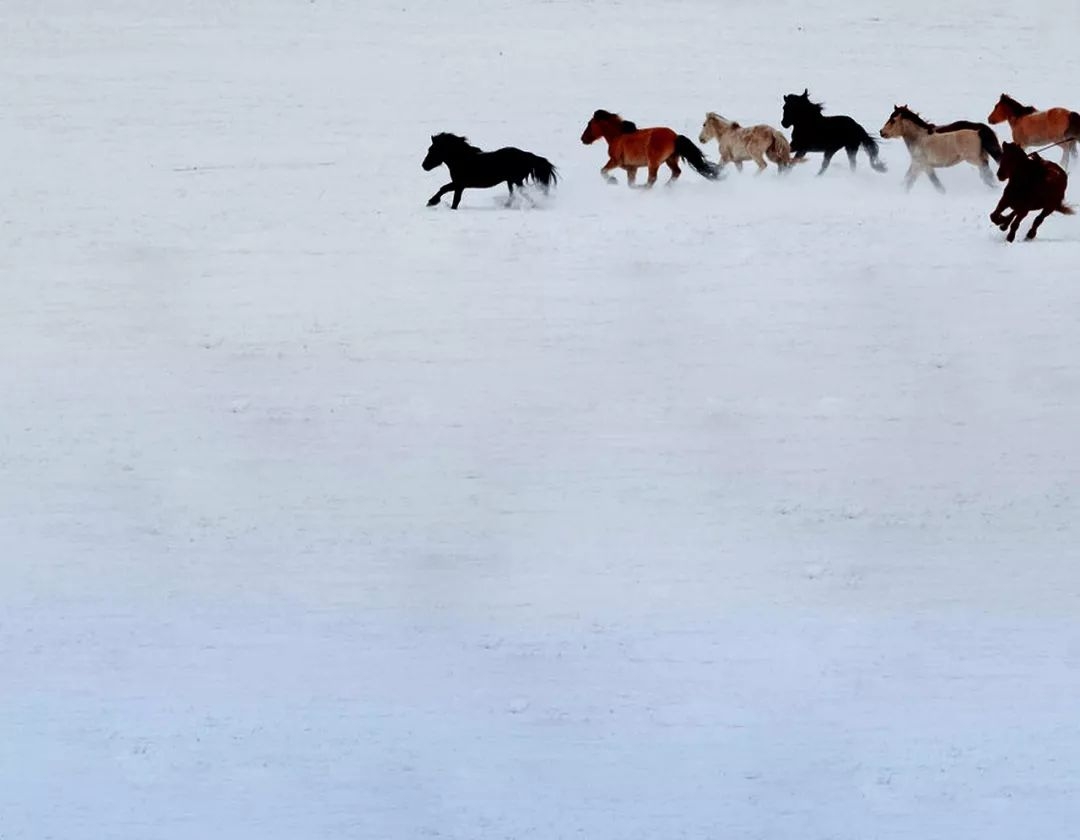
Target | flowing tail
(871,147)
(688,151)
(990,143)
(1073,131)
(542,172)
(779,151)
(1066,209)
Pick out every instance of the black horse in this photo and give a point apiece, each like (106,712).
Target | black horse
(813,132)
(473,168)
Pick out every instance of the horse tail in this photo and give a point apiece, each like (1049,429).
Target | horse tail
(990,143)
(871,147)
(780,149)
(1073,131)
(1066,209)
(542,172)
(688,151)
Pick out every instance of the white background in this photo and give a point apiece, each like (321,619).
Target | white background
(733,510)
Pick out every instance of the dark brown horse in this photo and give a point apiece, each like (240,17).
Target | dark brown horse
(1034,184)
(630,148)
(1031,127)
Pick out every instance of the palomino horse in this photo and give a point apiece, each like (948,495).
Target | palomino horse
(738,144)
(1034,184)
(1038,128)
(930,148)
(471,167)
(630,147)
(812,131)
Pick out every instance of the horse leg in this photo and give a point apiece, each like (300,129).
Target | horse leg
(759,159)
(673,165)
(606,169)
(738,166)
(986,173)
(1018,217)
(932,175)
(1038,221)
(852,151)
(457,197)
(442,191)
(631,175)
(997,215)
(910,176)
(510,198)
(826,161)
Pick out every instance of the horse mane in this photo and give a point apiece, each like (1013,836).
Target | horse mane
(715,117)
(601,114)
(1020,110)
(805,101)
(627,127)
(455,140)
(905,112)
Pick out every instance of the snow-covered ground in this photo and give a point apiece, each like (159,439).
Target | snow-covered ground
(736,510)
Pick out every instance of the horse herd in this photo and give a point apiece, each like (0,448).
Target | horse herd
(1032,182)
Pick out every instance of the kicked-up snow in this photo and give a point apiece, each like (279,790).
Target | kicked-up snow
(745,509)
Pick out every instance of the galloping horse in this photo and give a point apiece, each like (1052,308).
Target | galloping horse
(930,147)
(1038,128)
(630,147)
(471,167)
(813,132)
(1034,184)
(738,144)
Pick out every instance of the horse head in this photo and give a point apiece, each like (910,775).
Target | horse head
(602,123)
(798,106)
(1012,160)
(433,157)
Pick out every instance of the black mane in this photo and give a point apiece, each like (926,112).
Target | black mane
(627,127)
(802,100)
(445,140)
(1021,110)
(905,112)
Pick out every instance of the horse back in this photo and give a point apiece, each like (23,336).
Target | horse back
(639,148)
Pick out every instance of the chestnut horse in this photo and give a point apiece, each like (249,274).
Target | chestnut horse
(630,147)
(1037,128)
(1034,184)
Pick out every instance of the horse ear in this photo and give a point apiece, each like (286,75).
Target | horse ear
(806,91)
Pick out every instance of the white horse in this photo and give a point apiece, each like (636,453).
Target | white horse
(738,144)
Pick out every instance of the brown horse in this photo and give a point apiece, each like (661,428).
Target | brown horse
(630,147)
(1034,184)
(1037,128)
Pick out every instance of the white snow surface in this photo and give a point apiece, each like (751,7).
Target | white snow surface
(745,509)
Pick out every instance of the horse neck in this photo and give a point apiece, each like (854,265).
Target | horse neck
(1012,117)
(611,133)
(912,132)
(809,117)
(456,155)
(719,127)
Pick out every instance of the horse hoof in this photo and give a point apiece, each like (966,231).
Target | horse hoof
(433,202)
